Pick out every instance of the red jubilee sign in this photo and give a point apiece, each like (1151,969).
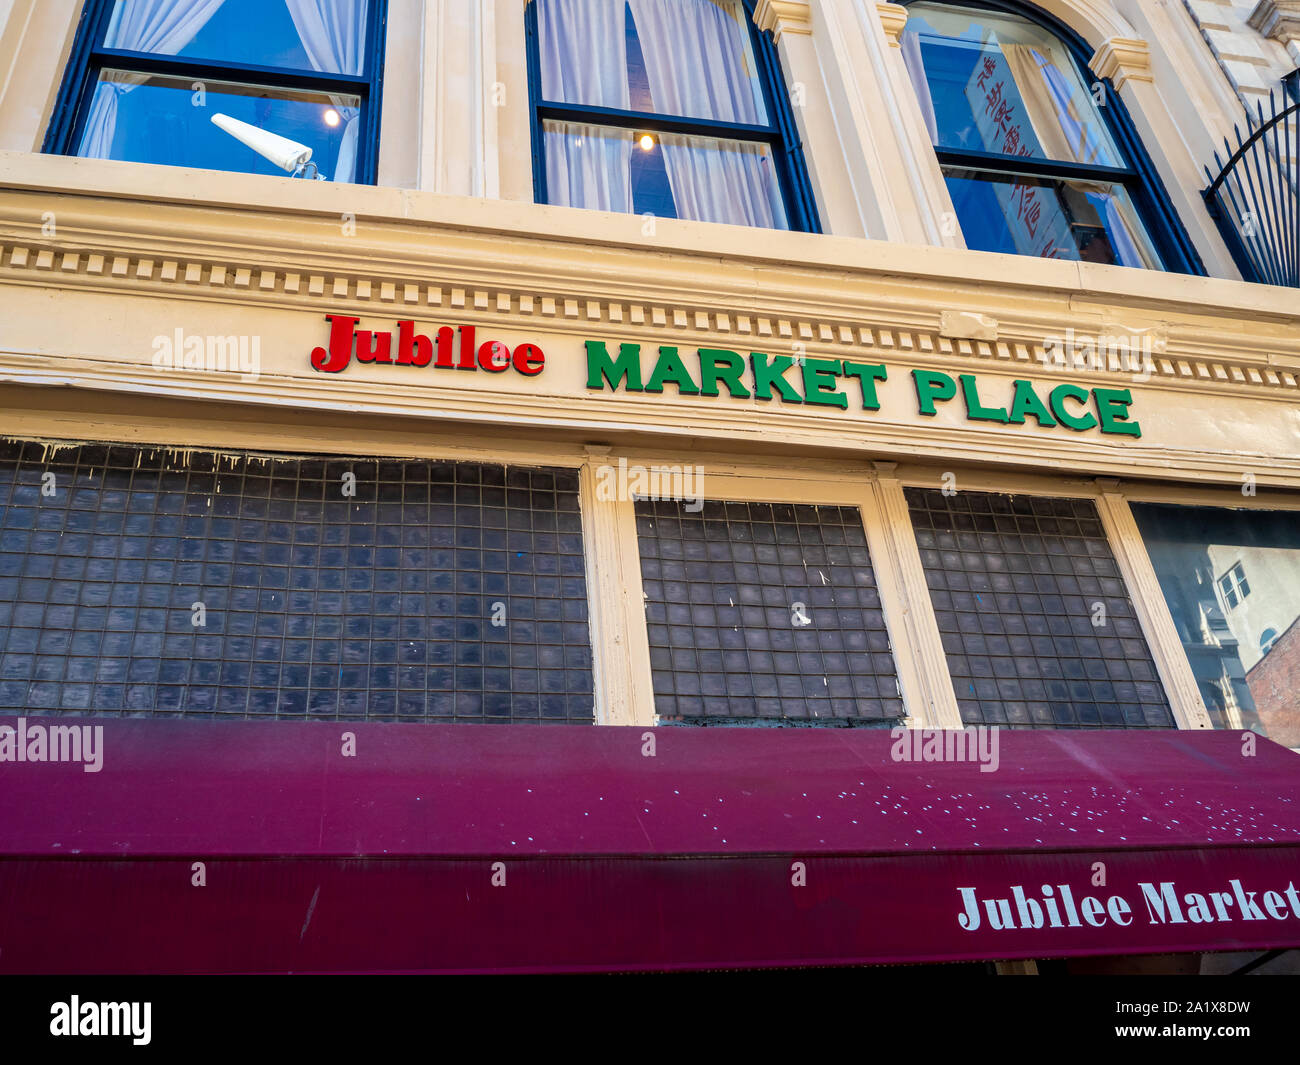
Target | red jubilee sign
(450,349)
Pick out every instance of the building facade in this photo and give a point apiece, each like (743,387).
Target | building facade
(670,363)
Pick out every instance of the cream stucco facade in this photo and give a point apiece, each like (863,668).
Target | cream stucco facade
(101,258)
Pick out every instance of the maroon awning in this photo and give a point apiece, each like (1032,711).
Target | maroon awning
(469,848)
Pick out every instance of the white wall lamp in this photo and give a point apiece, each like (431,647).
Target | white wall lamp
(288,155)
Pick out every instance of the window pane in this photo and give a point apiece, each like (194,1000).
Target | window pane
(321,35)
(669,175)
(1247,659)
(439,591)
(589,166)
(1038,627)
(155,119)
(762,613)
(999,83)
(1093,221)
(676,57)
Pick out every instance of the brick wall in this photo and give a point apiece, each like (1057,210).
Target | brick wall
(1275,686)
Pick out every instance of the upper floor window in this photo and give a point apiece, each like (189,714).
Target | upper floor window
(673,108)
(1039,157)
(261,86)
(1234,585)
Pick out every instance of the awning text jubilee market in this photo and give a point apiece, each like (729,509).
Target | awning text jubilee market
(816,382)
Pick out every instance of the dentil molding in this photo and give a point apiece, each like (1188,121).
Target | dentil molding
(353,287)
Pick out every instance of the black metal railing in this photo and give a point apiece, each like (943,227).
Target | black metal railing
(1255,196)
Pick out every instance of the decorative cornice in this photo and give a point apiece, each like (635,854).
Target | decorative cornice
(1278,20)
(893,17)
(887,334)
(783,16)
(1122,59)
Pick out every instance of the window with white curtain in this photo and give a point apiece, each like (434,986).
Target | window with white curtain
(261,86)
(671,108)
(1030,141)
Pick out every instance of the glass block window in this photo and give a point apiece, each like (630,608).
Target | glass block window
(1036,622)
(148,582)
(762,613)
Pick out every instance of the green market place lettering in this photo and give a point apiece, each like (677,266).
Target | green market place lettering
(845,383)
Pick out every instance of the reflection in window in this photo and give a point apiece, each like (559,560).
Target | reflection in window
(1232,582)
(659,107)
(1054,218)
(154,120)
(1234,585)
(1042,172)
(159,70)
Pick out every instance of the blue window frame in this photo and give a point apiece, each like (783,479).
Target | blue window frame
(146,77)
(674,108)
(1039,156)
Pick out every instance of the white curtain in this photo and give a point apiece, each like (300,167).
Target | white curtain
(723,181)
(163,27)
(696,59)
(584,52)
(696,62)
(333,34)
(1061,131)
(1121,227)
(589,166)
(911,47)
(1065,134)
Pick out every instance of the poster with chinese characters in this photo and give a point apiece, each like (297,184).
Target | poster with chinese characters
(1034,218)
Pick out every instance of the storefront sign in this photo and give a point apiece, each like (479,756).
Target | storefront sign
(761,847)
(414,349)
(1164,902)
(841,383)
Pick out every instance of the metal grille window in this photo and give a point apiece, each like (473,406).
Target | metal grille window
(762,613)
(1036,622)
(148,582)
